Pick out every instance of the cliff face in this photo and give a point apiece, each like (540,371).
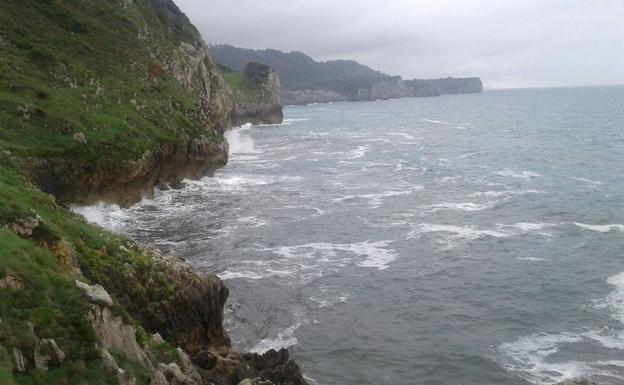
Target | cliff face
(392,88)
(105,100)
(257,97)
(305,81)
(111,98)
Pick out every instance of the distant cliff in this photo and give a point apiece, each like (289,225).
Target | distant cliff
(256,95)
(305,81)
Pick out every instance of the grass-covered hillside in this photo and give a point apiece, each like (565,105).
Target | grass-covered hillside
(89,82)
(103,70)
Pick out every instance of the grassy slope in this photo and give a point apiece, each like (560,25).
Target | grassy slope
(89,66)
(71,66)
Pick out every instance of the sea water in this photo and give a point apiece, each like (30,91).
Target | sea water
(462,239)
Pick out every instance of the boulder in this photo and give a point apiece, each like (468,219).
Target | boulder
(96,293)
(24,226)
(80,138)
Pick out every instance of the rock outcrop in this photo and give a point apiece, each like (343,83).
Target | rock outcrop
(257,98)
(86,182)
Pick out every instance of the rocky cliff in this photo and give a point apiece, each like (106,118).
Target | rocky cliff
(256,95)
(103,100)
(390,88)
(306,81)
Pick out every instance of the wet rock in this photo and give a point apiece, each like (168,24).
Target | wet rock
(20,362)
(24,226)
(276,367)
(80,138)
(96,293)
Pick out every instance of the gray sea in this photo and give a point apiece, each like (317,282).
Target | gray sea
(463,239)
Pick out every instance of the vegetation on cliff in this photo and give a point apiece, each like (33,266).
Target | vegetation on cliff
(304,80)
(103,100)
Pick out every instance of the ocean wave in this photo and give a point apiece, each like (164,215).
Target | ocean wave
(433,121)
(601,228)
(108,216)
(532,356)
(402,134)
(494,194)
(358,152)
(285,338)
(463,206)
(364,254)
(376,200)
(458,232)
(526,175)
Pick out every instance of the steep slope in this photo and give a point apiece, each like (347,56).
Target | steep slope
(104,99)
(256,94)
(297,70)
(306,81)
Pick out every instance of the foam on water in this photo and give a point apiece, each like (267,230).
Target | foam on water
(240,142)
(285,338)
(106,215)
(532,356)
(526,175)
(601,228)
(463,206)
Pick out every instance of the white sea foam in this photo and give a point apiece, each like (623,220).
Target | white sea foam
(502,193)
(106,215)
(436,122)
(376,200)
(329,297)
(365,254)
(241,143)
(284,339)
(252,221)
(463,206)
(531,355)
(528,227)
(358,152)
(228,274)
(532,259)
(615,300)
(404,135)
(601,228)
(458,232)
(592,182)
(526,175)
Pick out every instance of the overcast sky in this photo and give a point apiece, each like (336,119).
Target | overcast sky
(508,43)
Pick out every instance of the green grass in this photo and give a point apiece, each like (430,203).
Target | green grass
(50,301)
(80,66)
(233,79)
(95,67)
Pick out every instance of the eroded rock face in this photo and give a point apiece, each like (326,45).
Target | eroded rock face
(25,226)
(225,366)
(127,182)
(20,362)
(12,282)
(261,106)
(95,293)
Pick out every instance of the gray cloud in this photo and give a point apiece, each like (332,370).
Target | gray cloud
(507,43)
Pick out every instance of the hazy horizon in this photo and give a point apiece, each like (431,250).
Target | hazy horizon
(532,44)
